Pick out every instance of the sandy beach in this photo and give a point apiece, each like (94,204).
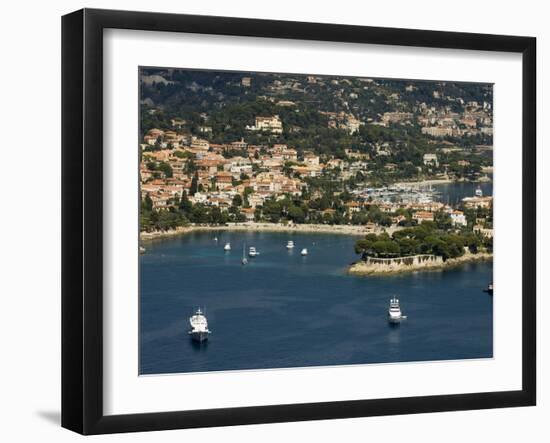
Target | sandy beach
(436,181)
(269,227)
(441,181)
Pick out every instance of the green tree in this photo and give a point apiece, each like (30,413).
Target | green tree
(237,200)
(296,214)
(194,184)
(185,204)
(166,168)
(147,203)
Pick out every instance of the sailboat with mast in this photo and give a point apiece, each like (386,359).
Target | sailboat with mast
(244,260)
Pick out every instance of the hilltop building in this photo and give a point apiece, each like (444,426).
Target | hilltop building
(271,124)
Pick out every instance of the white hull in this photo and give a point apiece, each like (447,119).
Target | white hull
(199,327)
(395,319)
(394,312)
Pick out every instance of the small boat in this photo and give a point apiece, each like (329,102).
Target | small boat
(394,312)
(199,327)
(304,251)
(227,247)
(142,250)
(244,261)
(489,289)
(479,192)
(252,252)
(216,239)
(290,244)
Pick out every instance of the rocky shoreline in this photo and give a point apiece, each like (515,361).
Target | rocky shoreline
(363,268)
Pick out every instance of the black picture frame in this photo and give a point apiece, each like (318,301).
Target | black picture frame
(82,218)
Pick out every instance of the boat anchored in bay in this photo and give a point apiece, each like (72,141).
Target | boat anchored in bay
(199,327)
(244,260)
(304,252)
(290,244)
(252,252)
(227,247)
(394,312)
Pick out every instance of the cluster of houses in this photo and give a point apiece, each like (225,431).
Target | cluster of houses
(224,170)
(426,212)
(437,122)
(442,122)
(258,172)
(342,120)
(171,160)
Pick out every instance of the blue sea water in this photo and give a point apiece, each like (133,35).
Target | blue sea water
(284,310)
(452,193)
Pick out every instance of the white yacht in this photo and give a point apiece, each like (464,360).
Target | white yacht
(479,192)
(142,249)
(199,327)
(252,251)
(290,244)
(394,312)
(227,247)
(304,251)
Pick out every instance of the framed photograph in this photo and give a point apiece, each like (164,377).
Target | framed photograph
(270,221)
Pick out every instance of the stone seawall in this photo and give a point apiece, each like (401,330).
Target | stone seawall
(381,266)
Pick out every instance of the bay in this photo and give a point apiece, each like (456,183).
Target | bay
(284,310)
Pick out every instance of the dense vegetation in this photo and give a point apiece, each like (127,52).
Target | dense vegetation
(219,101)
(425,238)
(218,107)
(183,212)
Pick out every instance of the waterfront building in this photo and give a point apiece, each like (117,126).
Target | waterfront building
(477,202)
(353,206)
(248,213)
(486,232)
